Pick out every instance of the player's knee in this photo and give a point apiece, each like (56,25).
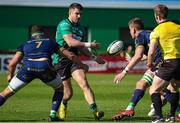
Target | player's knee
(85,87)
(153,90)
(141,85)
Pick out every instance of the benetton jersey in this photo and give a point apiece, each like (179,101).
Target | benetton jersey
(38,48)
(144,40)
(66,27)
(167,35)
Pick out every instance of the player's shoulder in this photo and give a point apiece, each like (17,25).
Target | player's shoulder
(64,22)
(144,35)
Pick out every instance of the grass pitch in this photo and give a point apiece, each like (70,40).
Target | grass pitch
(33,102)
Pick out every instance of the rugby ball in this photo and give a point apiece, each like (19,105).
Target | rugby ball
(115,47)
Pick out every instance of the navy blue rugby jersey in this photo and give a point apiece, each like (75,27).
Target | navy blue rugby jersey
(38,48)
(144,40)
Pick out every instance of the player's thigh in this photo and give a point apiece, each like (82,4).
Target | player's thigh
(16,84)
(63,69)
(80,77)
(54,81)
(157,85)
(168,70)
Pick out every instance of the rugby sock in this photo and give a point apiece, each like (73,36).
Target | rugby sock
(2,100)
(174,103)
(137,95)
(168,96)
(58,95)
(93,107)
(178,110)
(157,103)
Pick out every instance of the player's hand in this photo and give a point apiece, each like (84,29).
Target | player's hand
(119,77)
(94,45)
(99,60)
(9,77)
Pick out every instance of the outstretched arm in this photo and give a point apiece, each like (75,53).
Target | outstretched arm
(89,54)
(135,59)
(76,43)
(12,65)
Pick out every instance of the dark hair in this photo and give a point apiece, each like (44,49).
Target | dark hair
(76,5)
(36,28)
(136,23)
(161,11)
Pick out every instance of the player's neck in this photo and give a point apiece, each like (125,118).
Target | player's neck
(162,20)
(138,31)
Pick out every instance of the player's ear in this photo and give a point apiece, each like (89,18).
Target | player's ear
(134,30)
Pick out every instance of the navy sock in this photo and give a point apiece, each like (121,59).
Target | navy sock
(2,100)
(174,103)
(137,95)
(178,108)
(168,96)
(57,98)
(157,103)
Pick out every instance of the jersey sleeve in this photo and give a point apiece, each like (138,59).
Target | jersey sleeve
(65,28)
(20,48)
(154,37)
(139,41)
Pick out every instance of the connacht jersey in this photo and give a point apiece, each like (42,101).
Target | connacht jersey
(63,28)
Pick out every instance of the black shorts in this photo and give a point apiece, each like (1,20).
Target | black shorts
(65,67)
(169,69)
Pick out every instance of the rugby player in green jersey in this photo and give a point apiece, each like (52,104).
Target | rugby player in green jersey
(69,35)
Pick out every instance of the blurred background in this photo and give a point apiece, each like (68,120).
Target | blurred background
(104,20)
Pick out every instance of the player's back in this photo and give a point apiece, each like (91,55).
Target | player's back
(37,53)
(39,48)
(169,39)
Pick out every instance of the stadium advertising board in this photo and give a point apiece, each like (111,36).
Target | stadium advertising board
(113,64)
(4,61)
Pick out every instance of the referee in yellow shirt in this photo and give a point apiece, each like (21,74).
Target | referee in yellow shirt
(167,36)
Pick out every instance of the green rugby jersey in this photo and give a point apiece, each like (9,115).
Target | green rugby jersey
(63,28)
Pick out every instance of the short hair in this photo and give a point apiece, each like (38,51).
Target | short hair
(136,23)
(76,5)
(36,28)
(161,11)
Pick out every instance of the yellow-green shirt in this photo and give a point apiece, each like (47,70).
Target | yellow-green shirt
(167,35)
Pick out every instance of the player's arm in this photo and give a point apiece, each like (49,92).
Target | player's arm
(13,63)
(72,57)
(76,43)
(154,38)
(92,56)
(151,52)
(135,59)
